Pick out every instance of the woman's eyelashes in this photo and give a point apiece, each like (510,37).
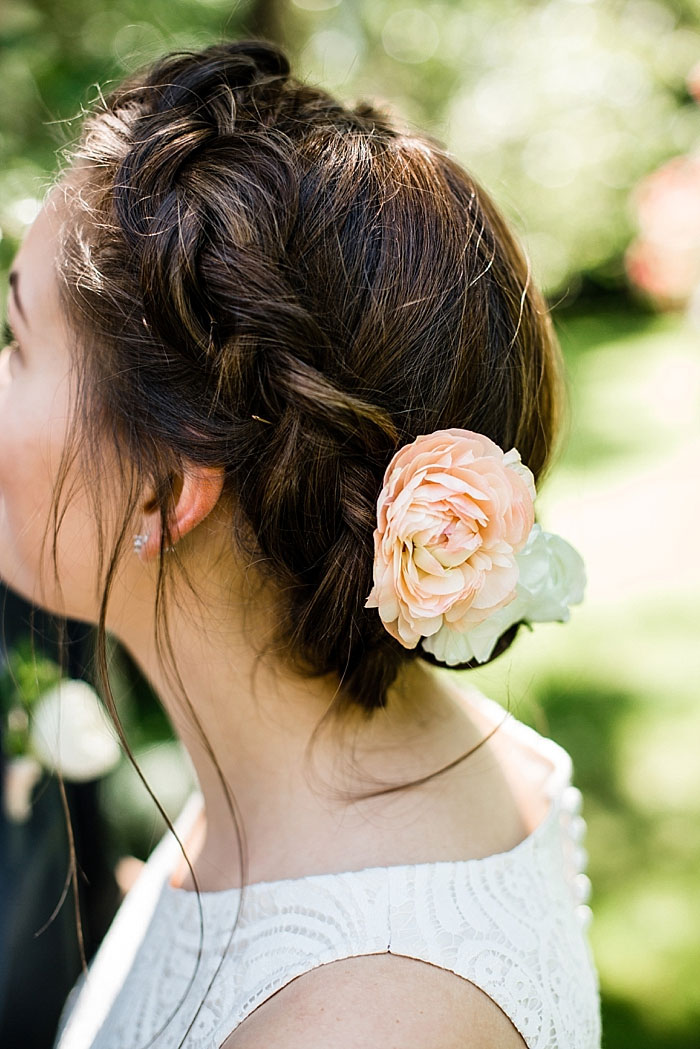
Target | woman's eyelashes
(9,337)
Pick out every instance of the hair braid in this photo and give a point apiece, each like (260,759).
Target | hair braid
(270,252)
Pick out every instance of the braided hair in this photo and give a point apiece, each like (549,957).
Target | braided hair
(268,280)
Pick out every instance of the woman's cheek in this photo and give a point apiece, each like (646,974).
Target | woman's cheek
(25,494)
(34,427)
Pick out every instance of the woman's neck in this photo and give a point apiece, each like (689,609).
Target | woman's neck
(256,721)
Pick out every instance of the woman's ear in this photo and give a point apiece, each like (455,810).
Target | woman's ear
(195,493)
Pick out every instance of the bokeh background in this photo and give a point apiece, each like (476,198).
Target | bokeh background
(581,118)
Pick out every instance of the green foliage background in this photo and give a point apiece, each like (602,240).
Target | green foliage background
(559,108)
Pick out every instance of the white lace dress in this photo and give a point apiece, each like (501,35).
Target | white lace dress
(513,923)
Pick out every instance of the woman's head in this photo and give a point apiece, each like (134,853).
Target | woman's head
(277,290)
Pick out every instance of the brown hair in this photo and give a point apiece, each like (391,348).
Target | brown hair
(265,279)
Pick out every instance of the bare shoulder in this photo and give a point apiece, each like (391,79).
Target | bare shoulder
(377,1000)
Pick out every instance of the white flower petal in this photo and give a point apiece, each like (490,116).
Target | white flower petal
(69,732)
(552,576)
(449,646)
(512,459)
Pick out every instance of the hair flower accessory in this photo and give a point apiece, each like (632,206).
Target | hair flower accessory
(458,557)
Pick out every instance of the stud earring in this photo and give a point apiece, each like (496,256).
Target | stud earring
(141,540)
(139,543)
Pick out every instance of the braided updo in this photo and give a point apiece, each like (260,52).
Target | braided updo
(269,281)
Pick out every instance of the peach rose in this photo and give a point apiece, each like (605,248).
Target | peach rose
(453,513)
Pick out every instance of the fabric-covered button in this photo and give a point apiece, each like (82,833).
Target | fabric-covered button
(581,858)
(585,915)
(572,800)
(577,828)
(582,887)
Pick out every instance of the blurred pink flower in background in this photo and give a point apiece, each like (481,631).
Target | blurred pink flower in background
(664,260)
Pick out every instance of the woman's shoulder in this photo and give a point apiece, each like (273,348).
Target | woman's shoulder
(508,783)
(372,1000)
(548,755)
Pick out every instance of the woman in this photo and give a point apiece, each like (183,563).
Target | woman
(286,361)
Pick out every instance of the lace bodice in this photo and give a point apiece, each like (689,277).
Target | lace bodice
(513,923)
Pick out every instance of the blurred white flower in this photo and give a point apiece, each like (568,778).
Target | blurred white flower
(69,732)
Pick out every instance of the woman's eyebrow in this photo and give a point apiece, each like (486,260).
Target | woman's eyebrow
(14,281)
